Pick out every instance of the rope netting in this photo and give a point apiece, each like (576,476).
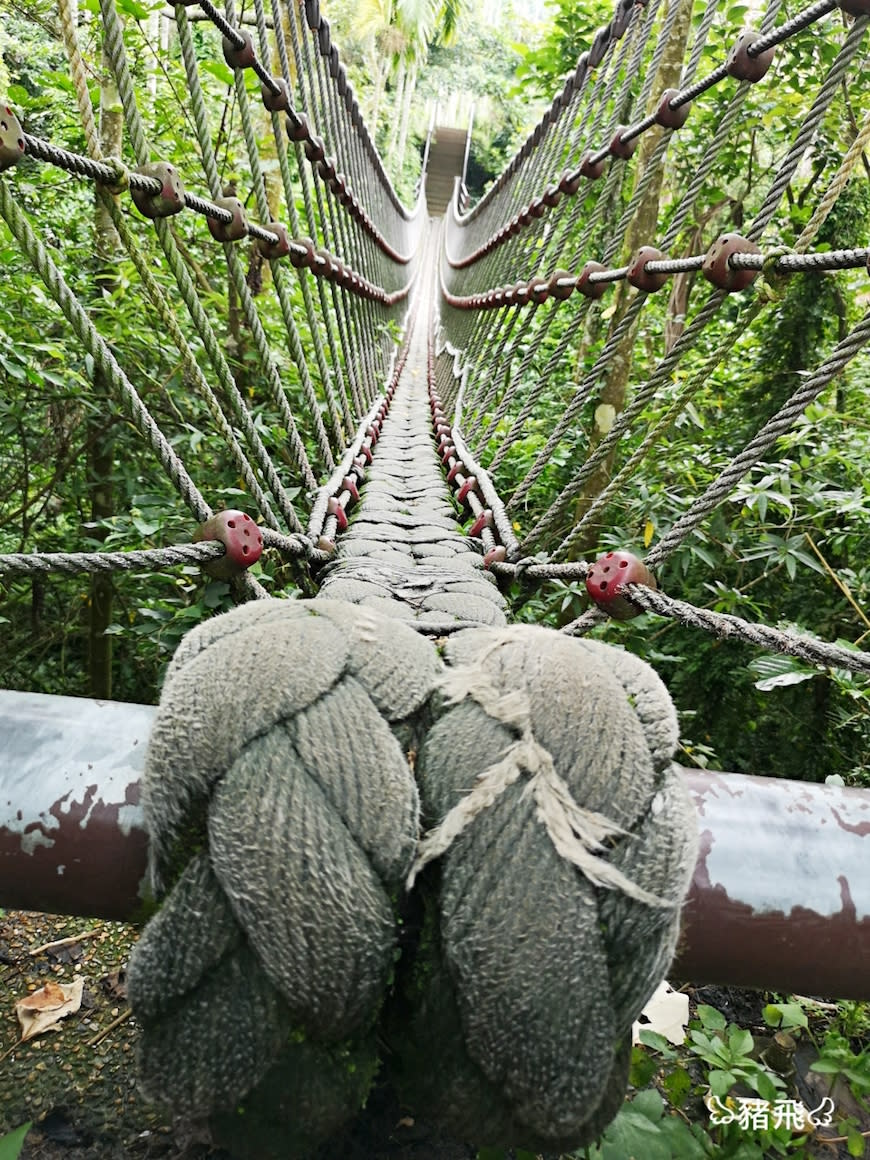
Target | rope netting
(375,838)
(335,200)
(524,273)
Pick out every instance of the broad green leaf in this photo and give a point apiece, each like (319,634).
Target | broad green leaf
(134,9)
(642,1068)
(778,671)
(650,1104)
(764,1085)
(632,1134)
(682,1142)
(711,1018)
(144,527)
(740,1041)
(784,1015)
(653,1039)
(855,1142)
(721,1082)
(12,1143)
(677,1085)
(219,70)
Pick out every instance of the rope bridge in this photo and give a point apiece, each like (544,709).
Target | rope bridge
(376,816)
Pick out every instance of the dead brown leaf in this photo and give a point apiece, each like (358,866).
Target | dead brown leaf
(115,984)
(44,1008)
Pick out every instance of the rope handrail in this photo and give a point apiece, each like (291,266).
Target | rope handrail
(601,41)
(787,167)
(570,182)
(242,55)
(539,290)
(301,251)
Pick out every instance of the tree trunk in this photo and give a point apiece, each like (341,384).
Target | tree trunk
(410,87)
(100,459)
(641,231)
(397,104)
(380,68)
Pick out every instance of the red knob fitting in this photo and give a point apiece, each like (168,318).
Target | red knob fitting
(241,538)
(469,486)
(607,578)
(229,231)
(484,520)
(334,508)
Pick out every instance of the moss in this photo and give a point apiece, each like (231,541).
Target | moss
(93,1080)
(304,1098)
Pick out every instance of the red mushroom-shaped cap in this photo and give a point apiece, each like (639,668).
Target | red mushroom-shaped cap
(240,536)
(335,508)
(469,486)
(607,578)
(349,484)
(484,520)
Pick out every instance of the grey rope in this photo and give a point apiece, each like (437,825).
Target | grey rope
(294,341)
(341,422)
(234,265)
(185,282)
(727,626)
(722,486)
(99,351)
(72,563)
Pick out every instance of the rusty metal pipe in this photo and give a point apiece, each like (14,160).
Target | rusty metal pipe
(780,898)
(72,839)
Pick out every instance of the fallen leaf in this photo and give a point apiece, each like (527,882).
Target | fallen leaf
(47,1006)
(115,984)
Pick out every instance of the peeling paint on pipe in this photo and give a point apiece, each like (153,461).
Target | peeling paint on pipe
(780,897)
(72,839)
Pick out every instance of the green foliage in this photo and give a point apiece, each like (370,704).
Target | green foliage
(643,1128)
(12,1143)
(720,1061)
(728,1051)
(568,33)
(666,1116)
(838,1059)
(50,414)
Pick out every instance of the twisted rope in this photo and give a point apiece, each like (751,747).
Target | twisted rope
(726,627)
(102,356)
(261,343)
(722,486)
(73,563)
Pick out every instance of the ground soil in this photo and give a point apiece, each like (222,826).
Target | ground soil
(77,1084)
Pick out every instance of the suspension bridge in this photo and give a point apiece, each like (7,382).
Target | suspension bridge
(392,766)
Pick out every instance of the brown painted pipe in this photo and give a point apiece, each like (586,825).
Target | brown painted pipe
(72,838)
(780,897)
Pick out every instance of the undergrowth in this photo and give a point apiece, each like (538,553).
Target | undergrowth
(730,1093)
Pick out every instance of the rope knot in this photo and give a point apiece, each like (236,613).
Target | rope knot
(563,861)
(281,795)
(772,284)
(120,181)
(283,819)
